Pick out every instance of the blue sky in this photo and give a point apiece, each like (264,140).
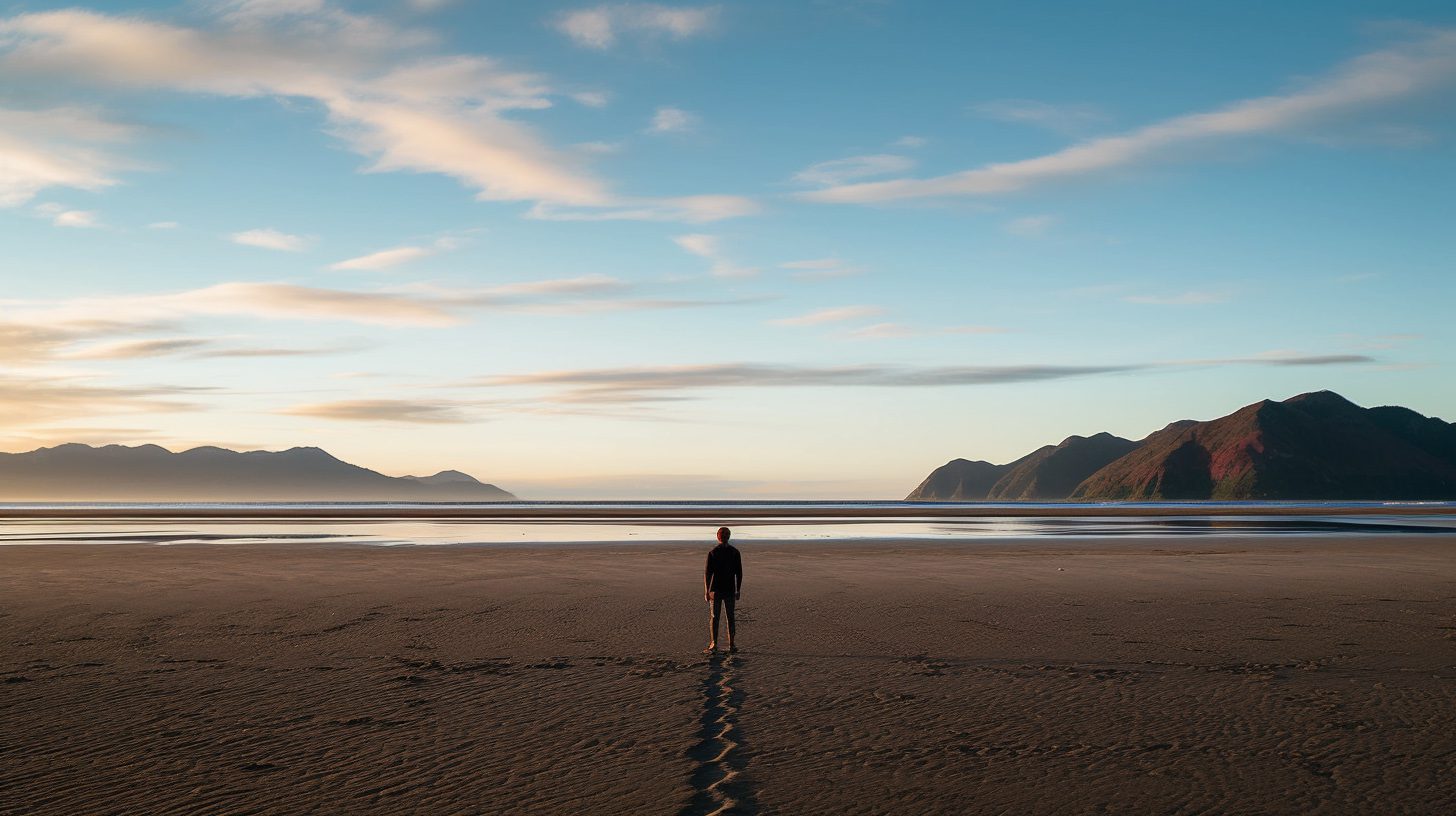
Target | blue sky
(731,250)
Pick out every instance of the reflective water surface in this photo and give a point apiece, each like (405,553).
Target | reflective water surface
(660,528)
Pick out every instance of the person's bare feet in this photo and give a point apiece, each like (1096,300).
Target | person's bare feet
(712,649)
(732,649)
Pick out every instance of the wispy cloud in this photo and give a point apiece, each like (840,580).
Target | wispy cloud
(1283,358)
(237,352)
(700,209)
(385,258)
(73,331)
(290,301)
(25,343)
(46,399)
(883,331)
(57,147)
(454,115)
(710,248)
(1061,118)
(39,341)
(202,347)
(441,114)
(163,225)
(910,142)
(1030,226)
(592,99)
(22,438)
(82,219)
(585,294)
(578,286)
(602,26)
(268,238)
(839,171)
(649,383)
(383,410)
(417,305)
(1371,80)
(620,381)
(134,349)
(705,246)
(672,120)
(270,301)
(837,314)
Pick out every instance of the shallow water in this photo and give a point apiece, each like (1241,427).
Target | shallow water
(661,528)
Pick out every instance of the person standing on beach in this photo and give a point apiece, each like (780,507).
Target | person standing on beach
(722,583)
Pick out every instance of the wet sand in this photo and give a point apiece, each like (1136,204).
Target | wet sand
(1292,675)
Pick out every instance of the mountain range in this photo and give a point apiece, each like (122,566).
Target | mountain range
(1316,446)
(77,472)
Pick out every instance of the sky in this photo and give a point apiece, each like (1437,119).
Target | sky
(734,250)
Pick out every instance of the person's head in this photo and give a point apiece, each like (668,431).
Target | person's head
(724,534)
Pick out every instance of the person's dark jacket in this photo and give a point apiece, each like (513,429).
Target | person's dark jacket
(724,572)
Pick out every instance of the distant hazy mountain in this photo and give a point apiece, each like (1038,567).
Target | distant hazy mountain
(444,477)
(151,473)
(1313,446)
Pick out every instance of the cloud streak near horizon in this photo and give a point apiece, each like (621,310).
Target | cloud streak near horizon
(382,410)
(40,400)
(620,384)
(37,329)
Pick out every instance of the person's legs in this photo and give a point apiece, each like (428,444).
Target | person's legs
(729,604)
(713,621)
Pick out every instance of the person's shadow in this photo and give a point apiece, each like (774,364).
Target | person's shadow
(720,783)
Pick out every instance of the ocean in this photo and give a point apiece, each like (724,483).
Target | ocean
(691,523)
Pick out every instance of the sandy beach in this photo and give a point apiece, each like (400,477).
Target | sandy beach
(1227,675)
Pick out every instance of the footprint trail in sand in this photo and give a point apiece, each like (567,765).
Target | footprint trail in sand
(719,783)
